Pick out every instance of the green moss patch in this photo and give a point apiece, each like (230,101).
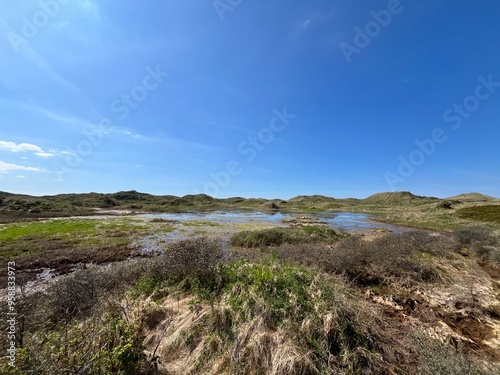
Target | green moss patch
(489,213)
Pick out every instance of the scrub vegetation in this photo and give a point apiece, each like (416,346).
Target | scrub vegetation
(298,299)
(333,306)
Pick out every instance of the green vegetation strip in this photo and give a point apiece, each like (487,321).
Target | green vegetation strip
(33,237)
(489,213)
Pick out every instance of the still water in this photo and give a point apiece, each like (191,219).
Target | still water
(348,221)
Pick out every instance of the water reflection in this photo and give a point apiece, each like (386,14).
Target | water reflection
(349,221)
(354,221)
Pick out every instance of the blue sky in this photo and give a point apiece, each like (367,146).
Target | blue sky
(248,98)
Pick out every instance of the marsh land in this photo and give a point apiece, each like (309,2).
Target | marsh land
(132,283)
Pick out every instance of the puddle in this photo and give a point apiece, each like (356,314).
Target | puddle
(46,274)
(354,221)
(220,216)
(154,244)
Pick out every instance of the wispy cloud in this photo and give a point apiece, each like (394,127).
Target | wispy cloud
(65,152)
(45,154)
(41,67)
(21,147)
(27,147)
(7,167)
(136,136)
(66,119)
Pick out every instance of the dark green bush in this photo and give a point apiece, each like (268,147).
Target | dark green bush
(267,237)
(445,205)
(489,213)
(278,236)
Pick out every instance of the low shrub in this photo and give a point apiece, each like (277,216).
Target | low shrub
(266,237)
(278,236)
(445,205)
(318,255)
(379,261)
(483,242)
(188,263)
(468,236)
(194,257)
(391,258)
(104,343)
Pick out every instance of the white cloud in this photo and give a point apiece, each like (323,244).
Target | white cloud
(24,147)
(131,134)
(6,167)
(56,116)
(44,154)
(20,176)
(21,147)
(307,24)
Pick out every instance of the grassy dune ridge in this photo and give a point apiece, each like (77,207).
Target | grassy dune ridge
(397,207)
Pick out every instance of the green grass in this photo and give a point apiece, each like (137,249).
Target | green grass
(11,232)
(287,297)
(33,237)
(490,213)
(200,223)
(282,286)
(321,232)
(152,286)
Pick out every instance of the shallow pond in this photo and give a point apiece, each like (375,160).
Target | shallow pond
(355,221)
(348,221)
